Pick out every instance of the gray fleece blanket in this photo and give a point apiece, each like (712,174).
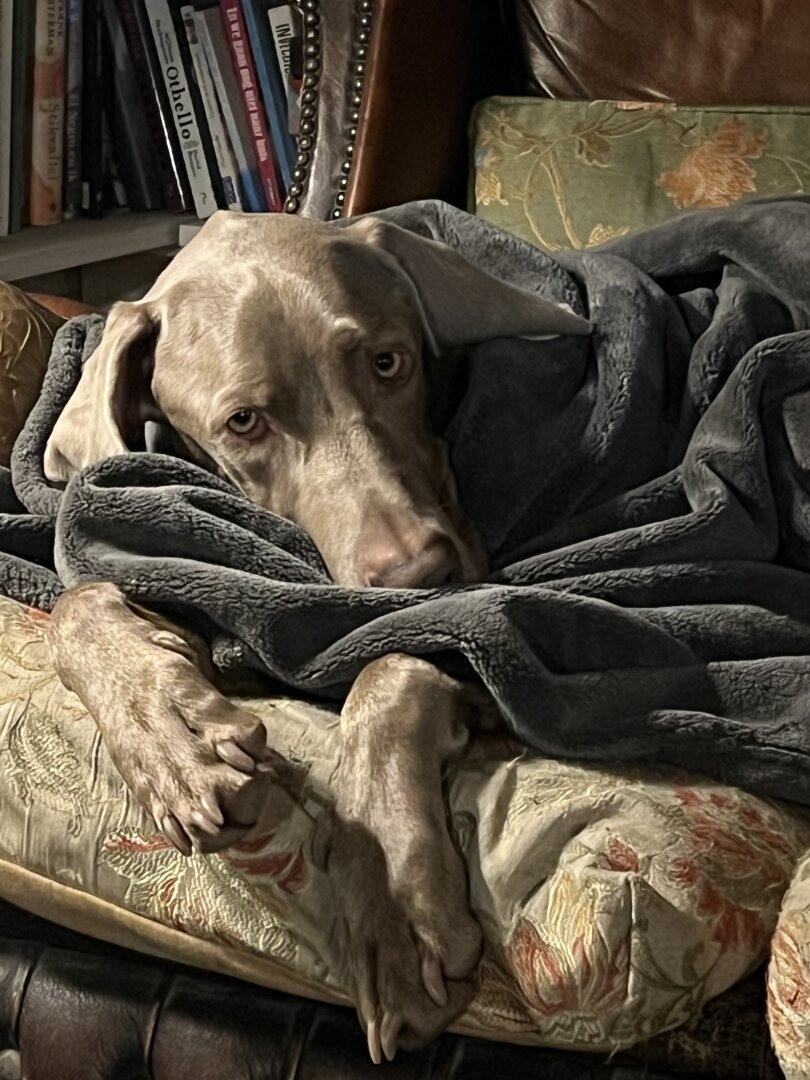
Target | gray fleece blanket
(643,495)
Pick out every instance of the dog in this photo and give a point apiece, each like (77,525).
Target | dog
(288,357)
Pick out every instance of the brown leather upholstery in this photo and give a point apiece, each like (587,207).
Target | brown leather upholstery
(403,111)
(26,333)
(76,1008)
(428,64)
(62,306)
(692,51)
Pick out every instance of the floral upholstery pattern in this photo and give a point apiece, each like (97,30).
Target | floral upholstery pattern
(614,901)
(574,174)
(789,979)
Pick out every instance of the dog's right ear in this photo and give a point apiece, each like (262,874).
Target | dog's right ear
(113,397)
(459,302)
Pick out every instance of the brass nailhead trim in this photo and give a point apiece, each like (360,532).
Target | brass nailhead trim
(363,11)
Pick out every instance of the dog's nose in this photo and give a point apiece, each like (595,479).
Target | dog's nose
(392,567)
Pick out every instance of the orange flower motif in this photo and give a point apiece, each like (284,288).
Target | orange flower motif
(620,856)
(36,617)
(586,977)
(734,926)
(788,992)
(716,172)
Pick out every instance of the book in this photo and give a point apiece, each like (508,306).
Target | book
(134,152)
(22,94)
(288,40)
(94,83)
(181,106)
(48,113)
(217,53)
(73,110)
(223,154)
(163,137)
(6,81)
(236,33)
(274,93)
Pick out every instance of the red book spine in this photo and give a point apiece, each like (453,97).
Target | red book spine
(246,76)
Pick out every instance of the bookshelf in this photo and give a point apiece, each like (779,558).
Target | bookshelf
(43,250)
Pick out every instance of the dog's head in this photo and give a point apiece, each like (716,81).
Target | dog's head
(288,357)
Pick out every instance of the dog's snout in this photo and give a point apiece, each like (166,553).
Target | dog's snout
(390,565)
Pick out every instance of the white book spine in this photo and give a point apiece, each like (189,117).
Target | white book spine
(6,34)
(182,108)
(222,150)
(283,26)
(231,123)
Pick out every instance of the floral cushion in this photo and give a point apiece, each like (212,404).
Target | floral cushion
(789,979)
(573,174)
(614,901)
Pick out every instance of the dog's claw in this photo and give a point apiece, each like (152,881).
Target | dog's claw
(232,755)
(433,980)
(175,834)
(204,823)
(158,812)
(212,810)
(389,1030)
(374,1048)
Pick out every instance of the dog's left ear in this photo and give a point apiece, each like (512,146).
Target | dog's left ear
(460,303)
(113,398)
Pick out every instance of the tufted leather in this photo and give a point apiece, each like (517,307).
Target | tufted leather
(700,52)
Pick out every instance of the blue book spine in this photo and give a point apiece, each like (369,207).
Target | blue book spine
(272,86)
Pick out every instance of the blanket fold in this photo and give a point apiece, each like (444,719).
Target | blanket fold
(643,494)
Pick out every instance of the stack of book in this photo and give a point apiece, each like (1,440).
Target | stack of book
(150,104)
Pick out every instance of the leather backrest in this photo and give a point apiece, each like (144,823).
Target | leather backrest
(703,52)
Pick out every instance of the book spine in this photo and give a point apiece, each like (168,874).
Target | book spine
(6,79)
(217,54)
(134,152)
(92,113)
(236,33)
(285,38)
(273,92)
(73,110)
(48,120)
(180,103)
(21,111)
(161,127)
(225,163)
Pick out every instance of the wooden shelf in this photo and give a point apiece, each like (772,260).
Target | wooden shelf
(44,249)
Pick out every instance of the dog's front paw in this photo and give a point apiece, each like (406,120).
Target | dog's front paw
(401,1000)
(198,763)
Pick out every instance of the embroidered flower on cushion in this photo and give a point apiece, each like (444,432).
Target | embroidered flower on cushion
(589,977)
(35,616)
(620,856)
(734,926)
(287,869)
(728,829)
(208,896)
(716,171)
(788,990)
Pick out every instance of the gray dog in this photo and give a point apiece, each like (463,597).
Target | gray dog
(287,355)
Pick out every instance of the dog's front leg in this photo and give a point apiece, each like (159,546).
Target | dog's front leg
(198,763)
(400,882)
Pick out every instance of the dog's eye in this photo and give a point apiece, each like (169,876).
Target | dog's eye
(388,364)
(243,422)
